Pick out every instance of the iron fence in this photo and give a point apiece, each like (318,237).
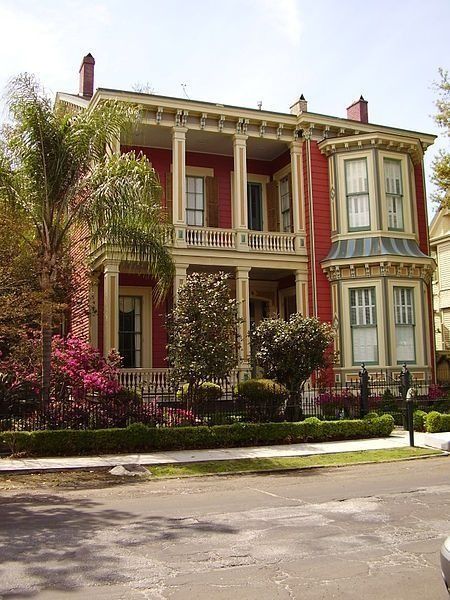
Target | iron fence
(165,406)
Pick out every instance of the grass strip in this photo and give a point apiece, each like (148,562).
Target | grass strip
(243,465)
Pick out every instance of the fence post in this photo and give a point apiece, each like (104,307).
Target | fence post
(364,390)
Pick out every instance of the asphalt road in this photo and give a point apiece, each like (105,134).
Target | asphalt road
(365,532)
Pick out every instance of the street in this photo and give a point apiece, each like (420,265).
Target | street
(363,532)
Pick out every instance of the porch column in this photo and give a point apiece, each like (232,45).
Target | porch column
(296,190)
(240,213)
(111,306)
(180,278)
(179,184)
(301,292)
(93,311)
(243,303)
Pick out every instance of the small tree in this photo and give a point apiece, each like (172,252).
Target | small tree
(441,164)
(203,342)
(290,351)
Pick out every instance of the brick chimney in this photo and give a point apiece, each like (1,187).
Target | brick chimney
(358,111)
(87,76)
(301,105)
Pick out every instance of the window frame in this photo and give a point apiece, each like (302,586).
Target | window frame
(195,210)
(409,325)
(390,195)
(285,211)
(350,195)
(137,364)
(353,327)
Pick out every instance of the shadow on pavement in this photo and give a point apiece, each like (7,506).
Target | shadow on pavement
(55,543)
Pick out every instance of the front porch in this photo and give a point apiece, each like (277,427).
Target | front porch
(123,315)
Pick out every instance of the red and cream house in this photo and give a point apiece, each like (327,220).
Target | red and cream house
(306,212)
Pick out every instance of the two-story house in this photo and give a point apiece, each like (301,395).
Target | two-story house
(306,212)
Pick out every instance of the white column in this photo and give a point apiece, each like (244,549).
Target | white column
(301,292)
(179,184)
(93,311)
(298,216)
(240,213)
(243,303)
(180,278)
(111,306)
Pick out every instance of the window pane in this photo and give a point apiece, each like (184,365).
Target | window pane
(190,184)
(358,207)
(199,185)
(365,347)
(395,212)
(393,176)
(404,335)
(356,176)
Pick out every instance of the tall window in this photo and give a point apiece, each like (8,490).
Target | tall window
(404,324)
(394,193)
(357,188)
(254,205)
(195,201)
(363,321)
(130,331)
(285,201)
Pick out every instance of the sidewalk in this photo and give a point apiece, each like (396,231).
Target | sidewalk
(398,439)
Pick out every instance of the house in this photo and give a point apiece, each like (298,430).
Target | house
(307,212)
(440,251)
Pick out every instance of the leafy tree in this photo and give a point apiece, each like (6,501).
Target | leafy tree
(203,342)
(441,164)
(290,351)
(59,175)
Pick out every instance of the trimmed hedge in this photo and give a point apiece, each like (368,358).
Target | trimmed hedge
(419,417)
(140,438)
(436,422)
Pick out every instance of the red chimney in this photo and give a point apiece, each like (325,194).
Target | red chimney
(358,111)
(87,76)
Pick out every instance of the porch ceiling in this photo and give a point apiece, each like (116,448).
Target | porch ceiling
(257,274)
(157,136)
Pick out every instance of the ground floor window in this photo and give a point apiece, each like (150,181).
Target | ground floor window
(363,322)
(130,331)
(404,324)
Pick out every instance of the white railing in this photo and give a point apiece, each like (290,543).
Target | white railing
(156,378)
(136,378)
(272,242)
(210,238)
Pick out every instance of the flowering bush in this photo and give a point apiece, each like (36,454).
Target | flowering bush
(338,405)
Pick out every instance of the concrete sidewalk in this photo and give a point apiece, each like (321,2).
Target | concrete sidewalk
(398,439)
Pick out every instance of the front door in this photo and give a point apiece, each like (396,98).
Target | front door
(254,204)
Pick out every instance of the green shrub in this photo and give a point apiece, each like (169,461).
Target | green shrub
(140,438)
(419,420)
(206,392)
(436,422)
(265,399)
(370,416)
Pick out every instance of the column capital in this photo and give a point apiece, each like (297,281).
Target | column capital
(242,272)
(296,147)
(240,139)
(111,265)
(179,131)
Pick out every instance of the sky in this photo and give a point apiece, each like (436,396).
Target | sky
(243,51)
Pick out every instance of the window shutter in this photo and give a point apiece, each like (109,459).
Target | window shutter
(291,212)
(168,194)
(273,209)
(212,202)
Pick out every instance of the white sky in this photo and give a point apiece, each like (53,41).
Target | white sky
(241,51)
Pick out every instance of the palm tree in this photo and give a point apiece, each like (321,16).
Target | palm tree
(58,173)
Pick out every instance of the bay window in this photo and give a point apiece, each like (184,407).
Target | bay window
(404,324)
(357,191)
(363,322)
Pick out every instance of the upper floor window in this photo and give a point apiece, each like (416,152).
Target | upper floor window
(394,193)
(404,324)
(130,330)
(357,189)
(255,206)
(363,321)
(285,202)
(195,201)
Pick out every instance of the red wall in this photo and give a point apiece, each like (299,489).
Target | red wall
(321,227)
(421,209)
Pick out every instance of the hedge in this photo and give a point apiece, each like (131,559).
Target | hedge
(140,438)
(436,422)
